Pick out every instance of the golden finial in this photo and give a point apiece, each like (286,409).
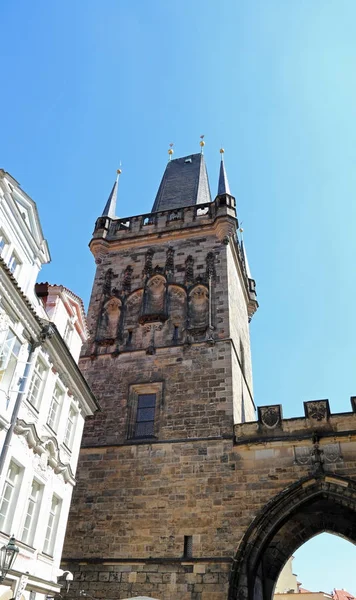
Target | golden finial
(170,151)
(202,143)
(222,150)
(118,172)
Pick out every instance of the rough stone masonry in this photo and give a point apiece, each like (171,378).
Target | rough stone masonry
(181,493)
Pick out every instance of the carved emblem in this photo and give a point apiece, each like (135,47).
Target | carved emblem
(332,453)
(317,410)
(270,416)
(302,455)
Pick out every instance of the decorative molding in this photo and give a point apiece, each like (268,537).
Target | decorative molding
(47,448)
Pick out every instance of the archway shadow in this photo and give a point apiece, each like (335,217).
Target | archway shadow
(309,507)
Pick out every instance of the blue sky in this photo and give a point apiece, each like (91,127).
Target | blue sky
(86,84)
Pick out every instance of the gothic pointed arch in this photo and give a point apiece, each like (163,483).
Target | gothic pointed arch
(304,509)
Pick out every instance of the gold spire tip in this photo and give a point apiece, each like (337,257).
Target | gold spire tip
(118,171)
(222,150)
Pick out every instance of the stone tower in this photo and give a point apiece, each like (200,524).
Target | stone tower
(169,361)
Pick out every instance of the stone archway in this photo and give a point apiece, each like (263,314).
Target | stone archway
(306,508)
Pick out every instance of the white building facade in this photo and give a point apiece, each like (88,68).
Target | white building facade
(44,400)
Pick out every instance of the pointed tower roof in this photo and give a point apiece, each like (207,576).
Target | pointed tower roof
(110,206)
(223,186)
(184,183)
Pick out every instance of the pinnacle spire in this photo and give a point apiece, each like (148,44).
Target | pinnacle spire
(110,206)
(223,185)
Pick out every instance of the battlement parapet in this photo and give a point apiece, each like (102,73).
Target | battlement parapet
(165,221)
(318,422)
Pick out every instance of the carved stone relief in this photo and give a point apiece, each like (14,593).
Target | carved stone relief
(154,302)
(109,320)
(189,270)
(108,282)
(317,410)
(270,416)
(169,267)
(126,281)
(198,308)
(310,455)
(148,269)
(210,266)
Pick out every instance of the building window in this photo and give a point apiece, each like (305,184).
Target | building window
(54,409)
(188,546)
(52,525)
(9,496)
(29,527)
(37,382)
(14,264)
(145,415)
(9,352)
(68,332)
(144,407)
(4,242)
(70,427)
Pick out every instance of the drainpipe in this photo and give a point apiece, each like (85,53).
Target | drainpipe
(46,332)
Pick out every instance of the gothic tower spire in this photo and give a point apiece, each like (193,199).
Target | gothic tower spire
(110,206)
(223,185)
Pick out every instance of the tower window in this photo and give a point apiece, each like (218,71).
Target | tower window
(145,416)
(175,334)
(144,408)
(188,546)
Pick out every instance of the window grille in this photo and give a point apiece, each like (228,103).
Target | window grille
(145,416)
(188,546)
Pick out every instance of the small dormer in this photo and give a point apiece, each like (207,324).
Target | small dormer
(66,310)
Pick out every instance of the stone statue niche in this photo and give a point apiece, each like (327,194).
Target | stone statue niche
(198,309)
(109,321)
(133,308)
(177,310)
(155,300)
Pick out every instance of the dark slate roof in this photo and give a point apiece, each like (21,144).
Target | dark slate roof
(184,183)
(110,206)
(223,186)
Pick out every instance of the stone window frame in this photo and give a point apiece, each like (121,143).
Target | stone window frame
(135,390)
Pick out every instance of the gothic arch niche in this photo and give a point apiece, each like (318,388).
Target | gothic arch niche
(155,299)
(109,320)
(132,314)
(198,309)
(309,507)
(177,310)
